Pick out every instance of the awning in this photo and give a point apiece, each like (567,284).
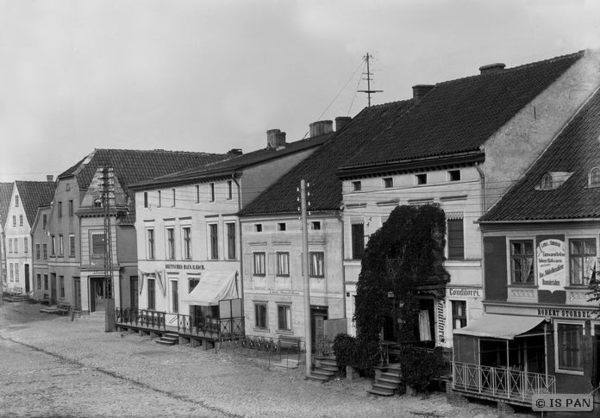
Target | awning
(213,287)
(506,327)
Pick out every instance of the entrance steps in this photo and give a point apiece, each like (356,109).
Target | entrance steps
(387,383)
(325,371)
(168,338)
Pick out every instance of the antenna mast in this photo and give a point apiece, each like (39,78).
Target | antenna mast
(367,58)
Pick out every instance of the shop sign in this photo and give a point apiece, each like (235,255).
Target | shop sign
(551,265)
(441,320)
(475,293)
(564,313)
(184,266)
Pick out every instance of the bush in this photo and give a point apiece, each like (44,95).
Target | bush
(419,367)
(359,353)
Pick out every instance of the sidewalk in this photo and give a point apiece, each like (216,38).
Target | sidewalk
(226,382)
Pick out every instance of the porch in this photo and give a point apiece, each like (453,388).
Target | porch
(500,383)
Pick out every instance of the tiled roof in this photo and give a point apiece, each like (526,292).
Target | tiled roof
(33,194)
(576,150)
(319,169)
(5,195)
(133,166)
(232,165)
(460,115)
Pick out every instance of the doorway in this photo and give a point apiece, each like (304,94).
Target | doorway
(77,292)
(53,300)
(318,315)
(97,297)
(27,285)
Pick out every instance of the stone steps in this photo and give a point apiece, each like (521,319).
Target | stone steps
(387,383)
(168,338)
(325,371)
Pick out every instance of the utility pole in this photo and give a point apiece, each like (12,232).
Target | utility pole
(108,194)
(307,325)
(368,74)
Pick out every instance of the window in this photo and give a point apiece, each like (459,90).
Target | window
(151,294)
(16,272)
(37,251)
(71,245)
(14,220)
(212,192)
(10,245)
(281,226)
(12,272)
(192,282)
(521,262)
(546,183)
(71,208)
(174,199)
(61,282)
(454,175)
(98,203)
(229,190)
(16,201)
(388,182)
(356,186)
(315,226)
(61,247)
(16,244)
(260,315)
(25,245)
(53,245)
(594,177)
(159,199)
(459,314)
(98,250)
(358,240)
(231,241)
(259,264)
(170,243)
(283,264)
(317,264)
(20,220)
(39,281)
(570,340)
(284,317)
(45,251)
(45,282)
(59,209)
(44,221)
(582,258)
(187,242)
(421,178)
(258,228)
(197,193)
(456,239)
(174,297)
(214,242)
(145,199)
(150,243)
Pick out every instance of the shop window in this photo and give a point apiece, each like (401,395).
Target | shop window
(259,264)
(284,317)
(283,264)
(358,240)
(582,260)
(317,264)
(459,314)
(260,315)
(521,261)
(569,347)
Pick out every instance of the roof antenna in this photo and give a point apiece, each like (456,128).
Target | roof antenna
(367,58)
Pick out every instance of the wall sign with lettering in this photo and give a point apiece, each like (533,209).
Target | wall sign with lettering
(551,265)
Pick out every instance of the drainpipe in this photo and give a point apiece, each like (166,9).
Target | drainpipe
(239,224)
(341,218)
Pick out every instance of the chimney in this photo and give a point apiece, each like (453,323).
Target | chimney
(492,68)
(342,121)
(235,151)
(50,178)
(420,90)
(275,139)
(321,127)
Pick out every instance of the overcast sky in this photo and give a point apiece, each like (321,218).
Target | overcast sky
(212,75)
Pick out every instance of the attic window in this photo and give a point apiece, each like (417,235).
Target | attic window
(594,177)
(546,182)
(553,180)
(98,203)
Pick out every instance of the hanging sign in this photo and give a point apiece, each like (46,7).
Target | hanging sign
(551,265)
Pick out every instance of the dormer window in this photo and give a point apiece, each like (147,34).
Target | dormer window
(594,177)
(546,182)
(553,180)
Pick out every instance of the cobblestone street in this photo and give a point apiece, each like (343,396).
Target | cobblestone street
(56,366)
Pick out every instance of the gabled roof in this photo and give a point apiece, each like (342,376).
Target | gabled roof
(576,150)
(458,116)
(5,196)
(319,169)
(132,166)
(33,194)
(232,166)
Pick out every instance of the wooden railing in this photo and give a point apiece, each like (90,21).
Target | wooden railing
(143,318)
(501,383)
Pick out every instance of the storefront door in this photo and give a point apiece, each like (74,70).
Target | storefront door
(97,293)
